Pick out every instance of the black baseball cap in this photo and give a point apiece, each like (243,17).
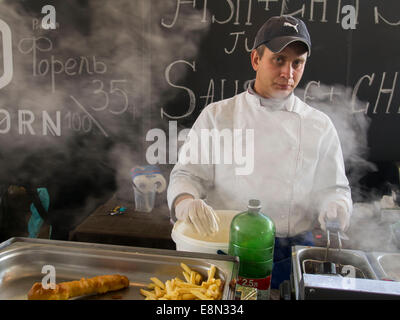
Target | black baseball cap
(277,32)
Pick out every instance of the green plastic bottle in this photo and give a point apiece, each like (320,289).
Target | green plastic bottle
(252,239)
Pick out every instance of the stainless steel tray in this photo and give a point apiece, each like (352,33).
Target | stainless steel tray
(386,264)
(316,286)
(22,259)
(355,258)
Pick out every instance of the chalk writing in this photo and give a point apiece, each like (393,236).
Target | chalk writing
(385,88)
(212,93)
(247,47)
(78,122)
(309,86)
(381,91)
(25,120)
(313,2)
(114,90)
(233,15)
(379,17)
(53,66)
(192,103)
(314,10)
(7,54)
(98,125)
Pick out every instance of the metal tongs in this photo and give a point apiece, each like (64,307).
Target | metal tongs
(333,226)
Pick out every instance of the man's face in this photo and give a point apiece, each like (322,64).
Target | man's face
(278,74)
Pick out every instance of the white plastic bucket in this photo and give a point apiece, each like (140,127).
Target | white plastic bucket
(186,237)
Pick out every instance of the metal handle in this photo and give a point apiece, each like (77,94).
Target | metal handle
(328,243)
(332,226)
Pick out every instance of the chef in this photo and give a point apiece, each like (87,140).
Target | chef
(298,173)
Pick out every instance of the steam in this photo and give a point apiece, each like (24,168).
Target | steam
(352,129)
(104,114)
(369,231)
(128,38)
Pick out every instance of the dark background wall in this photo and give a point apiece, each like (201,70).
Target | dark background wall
(113,70)
(352,74)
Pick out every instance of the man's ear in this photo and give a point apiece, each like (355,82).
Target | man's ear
(255,59)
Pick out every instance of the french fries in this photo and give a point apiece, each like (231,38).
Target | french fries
(192,288)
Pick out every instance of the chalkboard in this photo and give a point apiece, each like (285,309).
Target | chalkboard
(352,74)
(82,94)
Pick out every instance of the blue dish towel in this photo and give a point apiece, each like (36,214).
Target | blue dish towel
(283,256)
(36,221)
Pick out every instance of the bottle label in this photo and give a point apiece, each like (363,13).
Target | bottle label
(258,283)
(261,284)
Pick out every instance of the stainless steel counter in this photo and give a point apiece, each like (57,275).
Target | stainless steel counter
(22,260)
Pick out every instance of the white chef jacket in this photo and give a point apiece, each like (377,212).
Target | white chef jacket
(298,163)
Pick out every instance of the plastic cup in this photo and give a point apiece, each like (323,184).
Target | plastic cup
(144,201)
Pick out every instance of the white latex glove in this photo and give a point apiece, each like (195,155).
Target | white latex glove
(333,211)
(200,214)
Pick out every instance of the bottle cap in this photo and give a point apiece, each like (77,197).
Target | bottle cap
(254,204)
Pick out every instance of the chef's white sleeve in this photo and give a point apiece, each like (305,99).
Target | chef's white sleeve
(330,181)
(191,175)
